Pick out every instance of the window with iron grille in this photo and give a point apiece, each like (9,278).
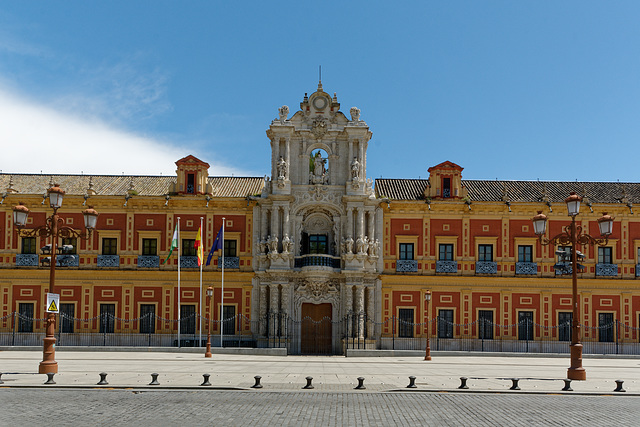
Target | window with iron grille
(485,324)
(107,318)
(446,252)
(606,325)
(147,318)
(188,319)
(485,253)
(25,320)
(445,323)
(406,251)
(229,319)
(67,313)
(564,325)
(525,253)
(525,325)
(405,322)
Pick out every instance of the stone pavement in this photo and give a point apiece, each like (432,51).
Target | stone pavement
(78,369)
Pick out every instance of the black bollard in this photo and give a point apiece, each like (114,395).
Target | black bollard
(412,382)
(360,385)
(206,379)
(103,379)
(154,379)
(50,379)
(1,382)
(463,383)
(514,384)
(308,386)
(567,385)
(619,386)
(257,384)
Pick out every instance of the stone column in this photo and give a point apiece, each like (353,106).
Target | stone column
(275,219)
(263,223)
(362,161)
(288,157)
(360,223)
(263,310)
(348,310)
(285,224)
(349,223)
(370,223)
(274,308)
(360,310)
(371,312)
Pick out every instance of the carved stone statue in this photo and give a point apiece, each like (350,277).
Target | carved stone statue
(283,112)
(374,248)
(360,245)
(319,173)
(262,246)
(282,168)
(355,114)
(355,169)
(365,245)
(349,245)
(273,245)
(287,245)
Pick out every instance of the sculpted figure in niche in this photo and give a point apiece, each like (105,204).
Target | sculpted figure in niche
(282,168)
(365,245)
(355,169)
(287,245)
(318,165)
(318,170)
(349,245)
(262,246)
(359,245)
(273,245)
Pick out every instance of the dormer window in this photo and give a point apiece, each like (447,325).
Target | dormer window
(193,174)
(191,183)
(446,187)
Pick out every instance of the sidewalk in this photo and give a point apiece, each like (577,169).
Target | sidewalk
(334,373)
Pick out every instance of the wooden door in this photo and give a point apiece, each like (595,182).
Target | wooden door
(316,329)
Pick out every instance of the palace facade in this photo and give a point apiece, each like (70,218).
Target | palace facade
(317,254)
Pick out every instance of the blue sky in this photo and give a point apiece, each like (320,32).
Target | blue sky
(506,89)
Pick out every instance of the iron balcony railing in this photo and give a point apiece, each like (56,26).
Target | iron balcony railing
(446,266)
(148,261)
(229,262)
(109,261)
(317,260)
(486,267)
(527,268)
(406,266)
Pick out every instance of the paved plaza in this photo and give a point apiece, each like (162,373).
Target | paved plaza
(128,399)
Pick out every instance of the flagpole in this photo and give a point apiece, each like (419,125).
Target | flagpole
(179,314)
(201,261)
(222,294)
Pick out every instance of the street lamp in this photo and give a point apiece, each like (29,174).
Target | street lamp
(55,228)
(210,295)
(573,235)
(427,298)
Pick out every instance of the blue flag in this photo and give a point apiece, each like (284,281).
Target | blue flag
(217,244)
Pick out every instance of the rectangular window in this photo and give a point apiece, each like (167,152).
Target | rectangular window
(109,246)
(446,251)
(525,253)
(188,248)
(28,245)
(564,325)
(229,319)
(405,322)
(230,248)
(25,317)
(107,318)
(406,251)
(485,253)
(525,325)
(485,324)
(191,183)
(445,323)
(147,318)
(606,325)
(67,314)
(69,246)
(446,187)
(188,319)
(605,255)
(150,247)
(318,244)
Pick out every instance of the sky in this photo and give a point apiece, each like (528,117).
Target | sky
(513,90)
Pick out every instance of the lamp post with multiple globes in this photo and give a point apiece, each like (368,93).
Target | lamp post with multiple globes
(574,236)
(210,295)
(54,228)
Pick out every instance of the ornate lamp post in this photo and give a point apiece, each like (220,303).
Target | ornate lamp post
(573,235)
(210,295)
(54,227)
(427,298)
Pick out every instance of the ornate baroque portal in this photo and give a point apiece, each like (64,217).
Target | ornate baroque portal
(318,224)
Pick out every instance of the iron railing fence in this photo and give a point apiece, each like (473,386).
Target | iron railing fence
(326,336)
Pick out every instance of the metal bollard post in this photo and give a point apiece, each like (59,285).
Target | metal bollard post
(1,382)
(412,382)
(154,379)
(619,386)
(50,379)
(308,386)
(206,379)
(360,385)
(257,384)
(463,383)
(103,379)
(514,384)
(567,385)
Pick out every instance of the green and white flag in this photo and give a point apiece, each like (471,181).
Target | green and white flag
(174,244)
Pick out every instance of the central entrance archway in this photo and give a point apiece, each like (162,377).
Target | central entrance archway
(316,329)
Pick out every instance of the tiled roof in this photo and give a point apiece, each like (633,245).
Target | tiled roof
(114,185)
(517,191)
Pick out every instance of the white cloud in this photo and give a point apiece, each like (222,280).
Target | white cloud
(36,138)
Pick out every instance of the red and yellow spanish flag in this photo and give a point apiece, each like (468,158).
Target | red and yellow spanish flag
(198,246)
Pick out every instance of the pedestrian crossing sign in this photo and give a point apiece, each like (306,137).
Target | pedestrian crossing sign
(53,303)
